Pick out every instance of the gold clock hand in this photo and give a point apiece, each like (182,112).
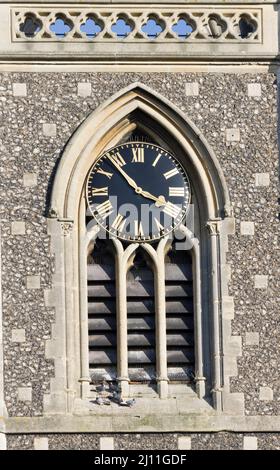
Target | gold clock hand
(160,201)
(130,181)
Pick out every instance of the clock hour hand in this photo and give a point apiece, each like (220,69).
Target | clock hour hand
(160,201)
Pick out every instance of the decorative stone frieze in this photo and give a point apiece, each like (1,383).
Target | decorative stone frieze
(138,24)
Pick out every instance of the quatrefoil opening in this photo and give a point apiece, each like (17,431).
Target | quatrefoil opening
(184,27)
(247,26)
(92,27)
(61,26)
(153,27)
(30,26)
(122,27)
(216,26)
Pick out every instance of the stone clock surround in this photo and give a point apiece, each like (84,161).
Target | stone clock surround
(103,129)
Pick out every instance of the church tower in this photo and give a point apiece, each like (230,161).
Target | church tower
(139,255)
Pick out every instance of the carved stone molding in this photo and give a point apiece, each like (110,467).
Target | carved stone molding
(175,24)
(213,226)
(66,227)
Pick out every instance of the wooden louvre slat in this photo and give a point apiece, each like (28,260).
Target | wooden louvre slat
(179,339)
(101,272)
(106,323)
(102,290)
(141,356)
(104,356)
(180,356)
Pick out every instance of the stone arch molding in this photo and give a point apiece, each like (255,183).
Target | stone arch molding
(134,106)
(104,127)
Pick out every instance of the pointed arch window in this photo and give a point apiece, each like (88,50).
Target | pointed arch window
(197,349)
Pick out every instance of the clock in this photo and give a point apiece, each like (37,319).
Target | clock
(138,191)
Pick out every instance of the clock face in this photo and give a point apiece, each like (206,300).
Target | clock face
(138,192)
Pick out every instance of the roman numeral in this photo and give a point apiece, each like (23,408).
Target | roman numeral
(118,223)
(157,159)
(105,173)
(158,224)
(176,191)
(171,173)
(117,159)
(138,229)
(138,155)
(172,210)
(99,191)
(104,209)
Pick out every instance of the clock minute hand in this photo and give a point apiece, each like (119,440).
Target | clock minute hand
(130,181)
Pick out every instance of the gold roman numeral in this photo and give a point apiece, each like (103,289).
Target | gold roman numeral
(138,229)
(138,155)
(105,173)
(157,159)
(171,210)
(100,191)
(176,191)
(104,209)
(117,159)
(119,223)
(171,173)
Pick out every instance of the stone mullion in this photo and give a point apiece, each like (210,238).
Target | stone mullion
(87,235)
(122,258)
(67,227)
(194,247)
(161,342)
(158,257)
(213,227)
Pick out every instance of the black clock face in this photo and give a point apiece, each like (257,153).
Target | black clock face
(138,192)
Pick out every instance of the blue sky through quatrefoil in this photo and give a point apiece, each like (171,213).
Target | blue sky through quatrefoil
(121,28)
(90,28)
(182,28)
(60,28)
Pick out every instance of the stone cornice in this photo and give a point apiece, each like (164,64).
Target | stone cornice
(145,423)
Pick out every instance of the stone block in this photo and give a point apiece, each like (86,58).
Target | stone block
(41,443)
(3,441)
(49,129)
(25,393)
(247,228)
(192,89)
(19,89)
(266,394)
(106,443)
(262,179)
(18,335)
(29,180)
(261,281)
(254,89)
(84,89)
(18,228)
(232,135)
(250,443)
(33,282)
(184,443)
(252,338)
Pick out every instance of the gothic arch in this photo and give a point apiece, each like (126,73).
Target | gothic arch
(113,120)
(137,105)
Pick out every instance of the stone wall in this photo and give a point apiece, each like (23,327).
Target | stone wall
(205,441)
(237,113)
